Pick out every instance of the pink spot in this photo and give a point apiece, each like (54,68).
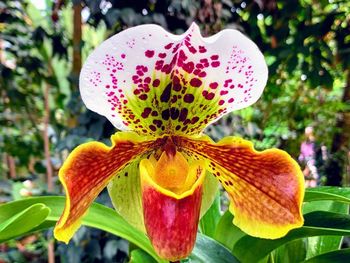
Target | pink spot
(194,120)
(147,80)
(214,57)
(162,55)
(189,98)
(192,50)
(202,49)
(221,102)
(210,96)
(146,112)
(188,67)
(182,55)
(122,56)
(149,53)
(143,97)
(152,127)
(215,64)
(156,83)
(195,82)
(223,92)
(213,85)
(196,72)
(202,74)
(169,46)
(231,100)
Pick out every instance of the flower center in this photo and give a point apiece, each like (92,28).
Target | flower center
(172,171)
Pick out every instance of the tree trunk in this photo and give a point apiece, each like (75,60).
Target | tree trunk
(49,172)
(77,33)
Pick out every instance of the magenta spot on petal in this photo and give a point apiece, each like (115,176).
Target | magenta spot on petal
(177,87)
(194,120)
(231,100)
(221,102)
(156,83)
(183,114)
(146,112)
(202,74)
(215,64)
(210,96)
(213,85)
(149,53)
(152,127)
(188,98)
(143,97)
(196,71)
(182,55)
(188,67)
(223,92)
(195,82)
(162,55)
(192,50)
(214,57)
(122,56)
(147,80)
(202,49)
(169,46)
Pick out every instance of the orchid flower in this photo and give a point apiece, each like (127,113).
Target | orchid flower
(162,172)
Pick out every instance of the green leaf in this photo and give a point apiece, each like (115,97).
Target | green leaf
(316,224)
(140,256)
(338,256)
(208,250)
(99,216)
(322,244)
(211,218)
(340,194)
(226,232)
(23,221)
(104,218)
(294,251)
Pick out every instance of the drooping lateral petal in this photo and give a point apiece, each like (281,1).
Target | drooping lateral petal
(88,169)
(266,189)
(151,81)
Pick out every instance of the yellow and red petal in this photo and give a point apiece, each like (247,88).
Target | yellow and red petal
(153,82)
(171,217)
(88,169)
(266,189)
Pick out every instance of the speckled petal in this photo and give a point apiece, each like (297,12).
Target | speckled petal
(88,170)
(266,189)
(153,82)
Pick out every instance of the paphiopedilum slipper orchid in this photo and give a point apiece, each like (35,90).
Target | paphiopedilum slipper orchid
(161,171)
